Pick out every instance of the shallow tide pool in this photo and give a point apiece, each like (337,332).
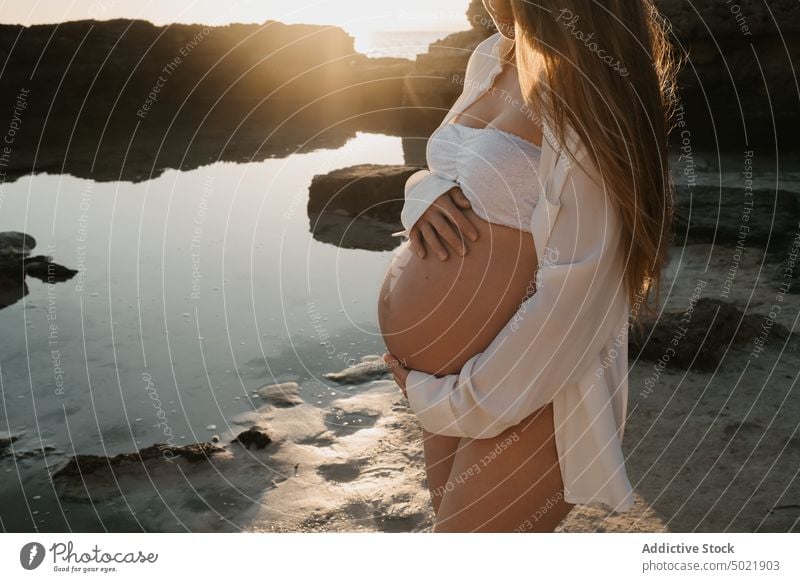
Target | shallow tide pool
(194,289)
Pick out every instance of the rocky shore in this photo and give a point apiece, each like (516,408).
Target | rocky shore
(143,98)
(125,100)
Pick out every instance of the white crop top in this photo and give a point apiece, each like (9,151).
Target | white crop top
(497,171)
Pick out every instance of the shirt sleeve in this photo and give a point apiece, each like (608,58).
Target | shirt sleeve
(421,190)
(424,187)
(554,338)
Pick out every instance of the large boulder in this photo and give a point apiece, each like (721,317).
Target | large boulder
(359,206)
(371,189)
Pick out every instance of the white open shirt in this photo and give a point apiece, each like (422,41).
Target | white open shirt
(567,343)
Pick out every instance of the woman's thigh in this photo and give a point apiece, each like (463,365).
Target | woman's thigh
(510,482)
(440,453)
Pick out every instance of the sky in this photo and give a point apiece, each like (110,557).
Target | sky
(355,16)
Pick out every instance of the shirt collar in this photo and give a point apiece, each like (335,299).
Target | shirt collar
(501,46)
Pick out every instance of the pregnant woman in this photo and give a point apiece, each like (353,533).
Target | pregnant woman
(534,240)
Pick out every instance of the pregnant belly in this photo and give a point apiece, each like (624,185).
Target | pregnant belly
(435,315)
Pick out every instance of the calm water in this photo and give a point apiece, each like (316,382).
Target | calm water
(200,286)
(406,44)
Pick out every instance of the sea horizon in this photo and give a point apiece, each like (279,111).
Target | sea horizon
(403,32)
(388,43)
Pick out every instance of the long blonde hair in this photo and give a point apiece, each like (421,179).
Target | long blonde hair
(607,71)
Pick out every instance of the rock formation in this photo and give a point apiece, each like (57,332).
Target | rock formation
(16,265)
(126,99)
(359,206)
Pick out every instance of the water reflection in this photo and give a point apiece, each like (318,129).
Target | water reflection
(197,287)
(16,265)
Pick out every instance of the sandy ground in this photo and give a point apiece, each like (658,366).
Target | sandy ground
(317,474)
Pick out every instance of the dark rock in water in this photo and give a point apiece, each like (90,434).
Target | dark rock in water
(14,246)
(85,464)
(700,338)
(44,269)
(282,395)
(359,207)
(253,437)
(360,373)
(16,264)
(368,190)
(344,231)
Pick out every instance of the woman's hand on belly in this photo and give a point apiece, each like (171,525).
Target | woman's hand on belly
(443,222)
(436,315)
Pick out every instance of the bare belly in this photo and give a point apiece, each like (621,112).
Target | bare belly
(435,315)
